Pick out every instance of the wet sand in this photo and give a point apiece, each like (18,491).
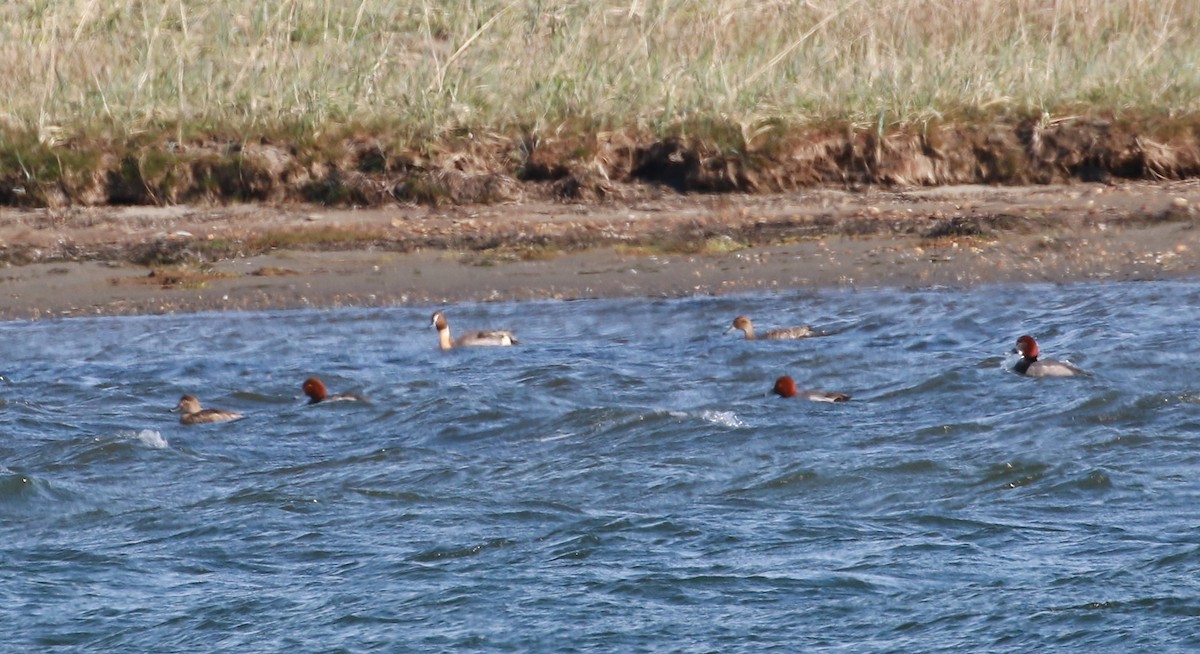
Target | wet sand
(663,245)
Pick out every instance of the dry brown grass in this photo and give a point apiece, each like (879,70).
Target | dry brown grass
(183,277)
(377,101)
(273,271)
(301,68)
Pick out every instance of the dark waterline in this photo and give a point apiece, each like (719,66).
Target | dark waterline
(622,481)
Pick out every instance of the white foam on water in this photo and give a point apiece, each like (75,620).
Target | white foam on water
(726,418)
(150,437)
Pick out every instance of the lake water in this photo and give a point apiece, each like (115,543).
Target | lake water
(622,481)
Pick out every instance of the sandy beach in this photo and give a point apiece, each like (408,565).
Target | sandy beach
(153,260)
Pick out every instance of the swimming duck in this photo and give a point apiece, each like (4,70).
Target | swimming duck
(492,338)
(1031,367)
(190,412)
(315,389)
(785,386)
(785,334)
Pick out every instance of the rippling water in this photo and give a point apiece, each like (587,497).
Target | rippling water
(620,482)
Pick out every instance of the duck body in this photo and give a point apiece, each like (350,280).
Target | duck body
(785,386)
(1030,366)
(479,338)
(315,389)
(191,413)
(784,334)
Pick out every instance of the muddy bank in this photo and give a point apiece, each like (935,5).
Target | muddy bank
(361,169)
(105,261)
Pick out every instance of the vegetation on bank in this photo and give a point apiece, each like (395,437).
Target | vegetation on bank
(375,101)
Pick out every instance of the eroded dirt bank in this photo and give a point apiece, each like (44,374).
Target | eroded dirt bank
(365,169)
(655,242)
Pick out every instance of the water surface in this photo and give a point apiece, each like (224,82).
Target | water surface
(620,482)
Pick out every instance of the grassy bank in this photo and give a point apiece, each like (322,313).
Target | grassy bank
(157,100)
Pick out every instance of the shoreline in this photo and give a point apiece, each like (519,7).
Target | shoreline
(666,245)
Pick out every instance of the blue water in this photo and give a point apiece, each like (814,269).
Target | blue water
(620,482)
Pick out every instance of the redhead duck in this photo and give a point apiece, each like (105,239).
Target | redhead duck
(190,412)
(493,338)
(1031,367)
(785,334)
(785,386)
(315,389)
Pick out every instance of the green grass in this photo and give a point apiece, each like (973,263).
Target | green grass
(673,244)
(422,70)
(290,239)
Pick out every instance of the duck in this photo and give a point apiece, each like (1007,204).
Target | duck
(483,338)
(315,389)
(190,412)
(785,334)
(1030,366)
(785,386)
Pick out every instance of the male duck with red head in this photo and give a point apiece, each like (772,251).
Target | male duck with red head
(315,389)
(785,386)
(1031,366)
